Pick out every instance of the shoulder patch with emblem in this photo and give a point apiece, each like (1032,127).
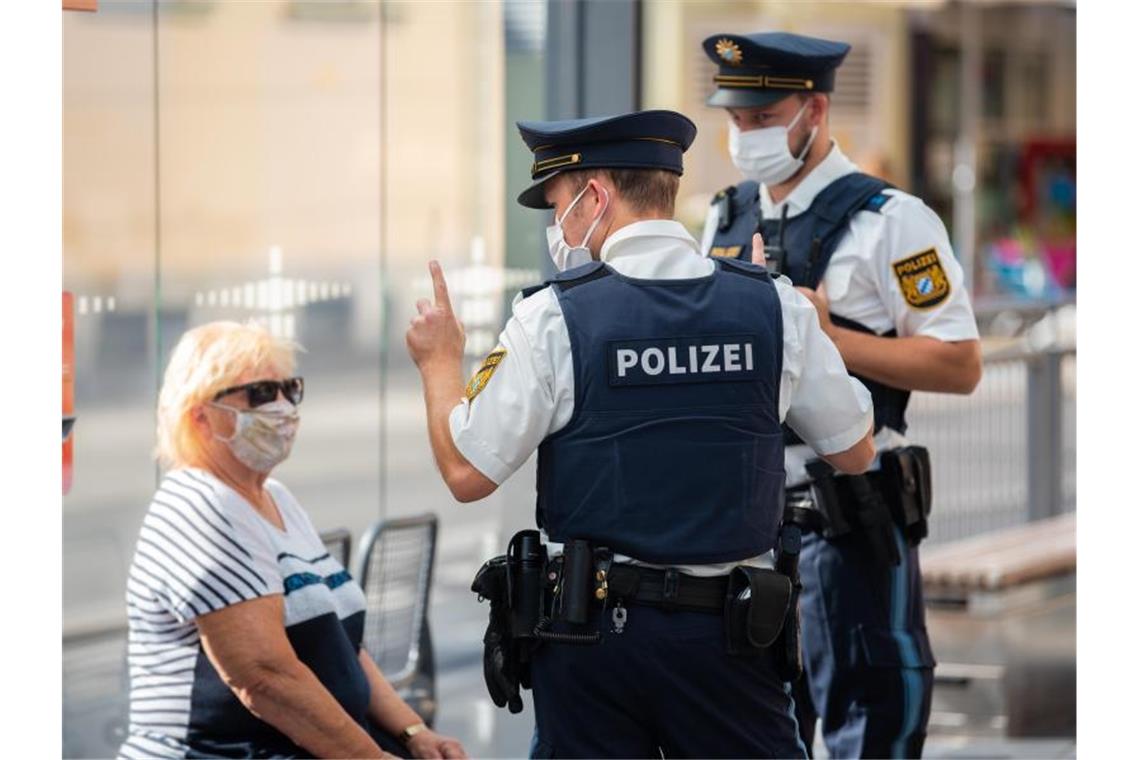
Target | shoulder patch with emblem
(922,279)
(482,375)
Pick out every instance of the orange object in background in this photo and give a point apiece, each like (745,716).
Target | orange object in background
(68,381)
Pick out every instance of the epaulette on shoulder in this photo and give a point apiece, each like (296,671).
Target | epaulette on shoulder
(746,268)
(876,202)
(571,278)
(529,291)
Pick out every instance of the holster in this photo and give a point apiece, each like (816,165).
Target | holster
(907,489)
(899,493)
(502,669)
(756,608)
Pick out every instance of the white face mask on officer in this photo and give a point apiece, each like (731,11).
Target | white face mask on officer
(564,255)
(263,436)
(763,155)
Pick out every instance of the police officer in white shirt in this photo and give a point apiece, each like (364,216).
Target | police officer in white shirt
(653,382)
(878,266)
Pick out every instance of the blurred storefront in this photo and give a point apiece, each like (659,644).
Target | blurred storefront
(970,105)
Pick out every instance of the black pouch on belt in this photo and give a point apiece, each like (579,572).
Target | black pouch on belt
(907,489)
(756,607)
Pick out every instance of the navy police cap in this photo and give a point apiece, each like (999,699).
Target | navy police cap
(639,140)
(758,69)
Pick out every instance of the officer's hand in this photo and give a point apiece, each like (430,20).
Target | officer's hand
(758,250)
(435,334)
(818,298)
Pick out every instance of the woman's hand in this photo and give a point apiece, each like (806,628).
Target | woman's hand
(429,744)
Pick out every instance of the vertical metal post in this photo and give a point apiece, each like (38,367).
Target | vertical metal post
(593,56)
(1044,444)
(964,175)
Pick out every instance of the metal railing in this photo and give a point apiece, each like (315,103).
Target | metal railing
(1006,454)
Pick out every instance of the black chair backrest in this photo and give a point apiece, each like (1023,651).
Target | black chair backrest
(394,566)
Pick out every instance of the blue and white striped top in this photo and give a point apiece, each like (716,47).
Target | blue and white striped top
(203,547)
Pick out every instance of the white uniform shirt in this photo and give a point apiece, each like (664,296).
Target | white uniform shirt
(529,393)
(861,279)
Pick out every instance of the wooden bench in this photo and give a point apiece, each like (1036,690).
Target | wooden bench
(1001,614)
(1004,559)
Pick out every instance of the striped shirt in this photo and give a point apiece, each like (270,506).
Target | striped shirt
(203,547)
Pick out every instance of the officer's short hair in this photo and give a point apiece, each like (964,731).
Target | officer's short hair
(641,189)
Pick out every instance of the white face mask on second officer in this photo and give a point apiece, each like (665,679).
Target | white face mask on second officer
(564,255)
(763,155)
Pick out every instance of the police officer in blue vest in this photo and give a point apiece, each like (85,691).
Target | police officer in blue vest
(878,266)
(653,382)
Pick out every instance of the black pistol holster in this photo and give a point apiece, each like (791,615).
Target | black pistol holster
(908,490)
(514,584)
(873,503)
(502,669)
(524,588)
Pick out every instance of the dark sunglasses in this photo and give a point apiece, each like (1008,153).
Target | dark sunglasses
(265,391)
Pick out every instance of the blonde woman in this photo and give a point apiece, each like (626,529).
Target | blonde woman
(244,632)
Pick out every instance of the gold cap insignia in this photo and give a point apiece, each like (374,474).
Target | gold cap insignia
(729,52)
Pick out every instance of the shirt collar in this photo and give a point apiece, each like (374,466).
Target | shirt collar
(834,165)
(654,248)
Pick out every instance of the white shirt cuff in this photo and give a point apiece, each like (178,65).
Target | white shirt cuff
(475,451)
(848,438)
(950,333)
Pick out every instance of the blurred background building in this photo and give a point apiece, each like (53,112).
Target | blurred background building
(299,161)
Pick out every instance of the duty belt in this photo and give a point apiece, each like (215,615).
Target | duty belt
(668,589)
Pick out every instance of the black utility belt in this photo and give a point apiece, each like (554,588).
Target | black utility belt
(537,600)
(898,494)
(667,589)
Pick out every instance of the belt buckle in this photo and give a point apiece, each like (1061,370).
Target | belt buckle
(669,588)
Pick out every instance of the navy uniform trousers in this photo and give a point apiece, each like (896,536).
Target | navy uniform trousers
(867,658)
(664,685)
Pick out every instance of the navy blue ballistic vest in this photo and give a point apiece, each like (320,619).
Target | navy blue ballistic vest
(674,453)
(801,248)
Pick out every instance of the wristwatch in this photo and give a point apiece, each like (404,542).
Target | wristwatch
(407,734)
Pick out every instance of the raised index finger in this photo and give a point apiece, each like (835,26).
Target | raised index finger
(439,285)
(758,250)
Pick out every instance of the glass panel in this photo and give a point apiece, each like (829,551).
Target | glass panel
(444,182)
(296,163)
(269,177)
(109,242)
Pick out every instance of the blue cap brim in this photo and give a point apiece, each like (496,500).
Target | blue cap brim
(535,195)
(727,97)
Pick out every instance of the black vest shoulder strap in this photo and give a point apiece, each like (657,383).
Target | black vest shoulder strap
(832,210)
(839,201)
(572,278)
(735,202)
(746,268)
